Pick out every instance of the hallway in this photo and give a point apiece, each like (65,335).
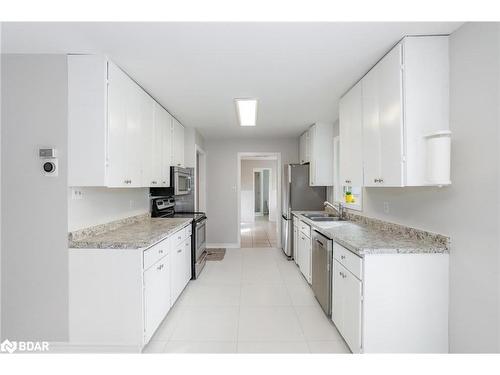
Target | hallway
(253,301)
(260,233)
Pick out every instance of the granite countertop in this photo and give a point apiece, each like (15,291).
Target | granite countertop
(138,234)
(378,237)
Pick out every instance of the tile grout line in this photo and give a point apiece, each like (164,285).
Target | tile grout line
(295,311)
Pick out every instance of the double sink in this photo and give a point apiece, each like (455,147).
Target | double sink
(322,217)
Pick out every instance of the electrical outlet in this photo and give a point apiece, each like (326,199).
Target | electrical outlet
(386,207)
(76,194)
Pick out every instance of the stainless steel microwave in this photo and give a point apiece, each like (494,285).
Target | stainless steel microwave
(181,180)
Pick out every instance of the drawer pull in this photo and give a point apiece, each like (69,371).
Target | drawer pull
(178,251)
(342,257)
(160,267)
(160,251)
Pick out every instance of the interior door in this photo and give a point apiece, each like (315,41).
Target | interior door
(257,185)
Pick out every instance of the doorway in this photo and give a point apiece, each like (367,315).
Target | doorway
(262,190)
(258,195)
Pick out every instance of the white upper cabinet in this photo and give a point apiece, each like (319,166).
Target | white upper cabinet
(177,144)
(164,120)
(304,149)
(351,137)
(119,136)
(383,122)
(321,154)
(404,98)
(158,153)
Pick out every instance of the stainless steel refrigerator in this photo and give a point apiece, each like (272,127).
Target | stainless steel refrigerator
(297,195)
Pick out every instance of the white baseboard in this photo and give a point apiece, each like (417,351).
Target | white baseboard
(234,245)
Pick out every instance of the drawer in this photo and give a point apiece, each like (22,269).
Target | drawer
(349,260)
(179,236)
(296,221)
(156,252)
(305,229)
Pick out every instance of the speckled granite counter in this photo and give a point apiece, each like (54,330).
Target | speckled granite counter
(133,233)
(369,236)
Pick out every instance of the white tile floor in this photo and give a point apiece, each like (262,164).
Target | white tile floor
(254,301)
(259,233)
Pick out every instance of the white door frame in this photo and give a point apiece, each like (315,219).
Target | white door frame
(276,156)
(261,170)
(202,179)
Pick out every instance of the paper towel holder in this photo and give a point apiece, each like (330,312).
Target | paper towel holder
(438,158)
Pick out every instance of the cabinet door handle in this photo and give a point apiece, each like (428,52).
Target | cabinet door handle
(160,267)
(320,243)
(164,182)
(180,250)
(342,257)
(160,251)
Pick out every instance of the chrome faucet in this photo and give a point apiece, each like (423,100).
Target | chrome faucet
(339,209)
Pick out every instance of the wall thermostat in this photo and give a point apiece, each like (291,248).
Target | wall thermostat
(48,161)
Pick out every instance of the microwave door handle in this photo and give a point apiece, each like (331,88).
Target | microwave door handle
(189,183)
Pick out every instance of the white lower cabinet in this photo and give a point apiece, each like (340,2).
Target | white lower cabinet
(296,253)
(181,267)
(346,309)
(304,249)
(119,297)
(156,295)
(391,303)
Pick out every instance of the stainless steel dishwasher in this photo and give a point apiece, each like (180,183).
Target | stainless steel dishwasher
(322,251)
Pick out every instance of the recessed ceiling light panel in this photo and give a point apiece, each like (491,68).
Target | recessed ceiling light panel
(247,111)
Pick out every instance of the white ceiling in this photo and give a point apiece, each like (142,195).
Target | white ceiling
(298,71)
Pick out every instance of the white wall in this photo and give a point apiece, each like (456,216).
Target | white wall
(468,210)
(102,205)
(34,207)
(222,180)
(191,138)
(247,192)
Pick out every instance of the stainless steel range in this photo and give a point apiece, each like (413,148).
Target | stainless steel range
(165,206)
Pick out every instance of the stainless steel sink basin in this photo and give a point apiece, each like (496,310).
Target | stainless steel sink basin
(320,215)
(325,218)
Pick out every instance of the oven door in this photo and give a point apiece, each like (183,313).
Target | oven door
(182,183)
(200,237)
